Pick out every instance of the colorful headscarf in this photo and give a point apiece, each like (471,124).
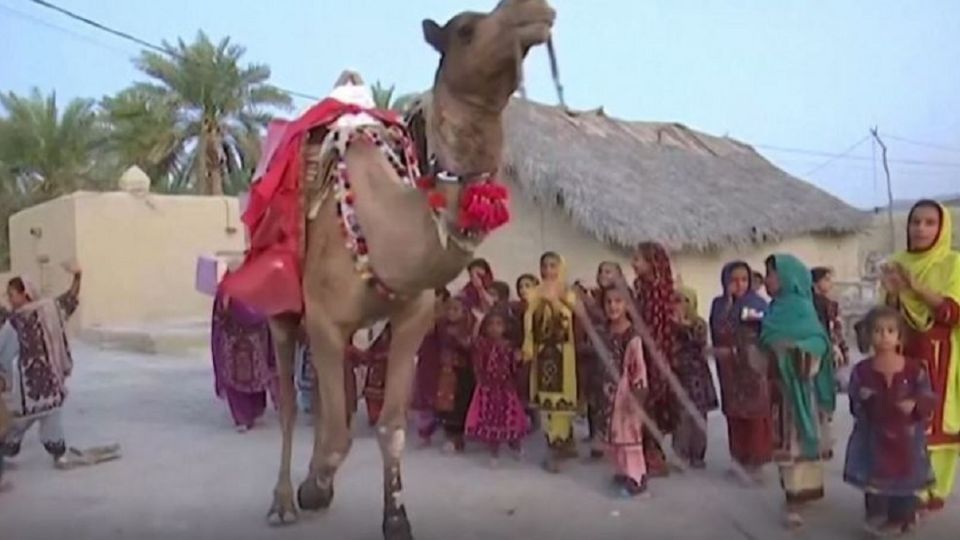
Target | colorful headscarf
(721,312)
(792,319)
(936,268)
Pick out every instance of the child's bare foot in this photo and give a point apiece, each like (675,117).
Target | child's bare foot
(793,520)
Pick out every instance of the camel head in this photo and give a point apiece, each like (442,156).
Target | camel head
(481,53)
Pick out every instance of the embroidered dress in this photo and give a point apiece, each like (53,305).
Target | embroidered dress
(655,303)
(743,372)
(934,339)
(619,420)
(243,360)
(804,396)
(887,451)
(35,362)
(690,441)
(496,413)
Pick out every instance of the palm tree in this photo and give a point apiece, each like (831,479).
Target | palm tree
(46,152)
(144,131)
(383,98)
(219,110)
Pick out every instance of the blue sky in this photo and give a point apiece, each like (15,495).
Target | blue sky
(795,74)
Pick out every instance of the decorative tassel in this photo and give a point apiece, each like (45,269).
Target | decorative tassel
(437,200)
(483,207)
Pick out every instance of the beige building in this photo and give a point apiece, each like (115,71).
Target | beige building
(592,187)
(138,251)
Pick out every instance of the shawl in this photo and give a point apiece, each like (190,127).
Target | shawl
(654,294)
(792,320)
(936,268)
(52,324)
(722,311)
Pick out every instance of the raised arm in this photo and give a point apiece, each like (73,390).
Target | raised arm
(70,300)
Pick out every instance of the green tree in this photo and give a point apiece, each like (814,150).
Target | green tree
(385,98)
(45,152)
(219,109)
(145,132)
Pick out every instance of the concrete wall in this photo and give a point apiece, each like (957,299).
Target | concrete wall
(138,252)
(515,249)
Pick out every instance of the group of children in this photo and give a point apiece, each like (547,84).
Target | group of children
(633,360)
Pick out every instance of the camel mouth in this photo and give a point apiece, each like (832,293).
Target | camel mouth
(536,30)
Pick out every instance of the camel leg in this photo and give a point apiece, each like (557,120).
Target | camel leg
(331,432)
(283,331)
(409,326)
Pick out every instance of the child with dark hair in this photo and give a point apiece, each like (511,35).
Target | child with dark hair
(501,292)
(892,403)
(526,285)
(828,310)
(496,414)
(455,382)
(428,373)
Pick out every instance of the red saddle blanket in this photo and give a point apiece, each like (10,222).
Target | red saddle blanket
(270,277)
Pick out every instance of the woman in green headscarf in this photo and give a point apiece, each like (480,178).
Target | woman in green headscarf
(804,395)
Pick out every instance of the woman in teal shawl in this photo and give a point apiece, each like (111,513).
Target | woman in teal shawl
(804,393)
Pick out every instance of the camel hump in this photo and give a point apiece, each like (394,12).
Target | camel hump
(349,77)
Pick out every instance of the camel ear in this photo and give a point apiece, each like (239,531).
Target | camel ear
(434,35)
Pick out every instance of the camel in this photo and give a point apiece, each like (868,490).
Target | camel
(409,250)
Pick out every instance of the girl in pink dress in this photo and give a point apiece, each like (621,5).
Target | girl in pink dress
(619,418)
(496,414)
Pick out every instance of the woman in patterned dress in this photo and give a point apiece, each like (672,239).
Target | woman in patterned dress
(35,362)
(924,284)
(550,346)
(804,393)
(654,289)
(690,440)
(244,366)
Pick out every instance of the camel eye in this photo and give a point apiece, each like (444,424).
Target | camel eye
(465,32)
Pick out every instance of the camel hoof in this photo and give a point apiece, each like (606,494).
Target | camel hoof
(397,527)
(282,511)
(311,497)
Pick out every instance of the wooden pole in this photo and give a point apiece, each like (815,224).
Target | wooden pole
(886,170)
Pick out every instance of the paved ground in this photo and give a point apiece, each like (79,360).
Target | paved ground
(186,474)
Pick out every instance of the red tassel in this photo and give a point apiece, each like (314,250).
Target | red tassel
(437,200)
(483,207)
(426,182)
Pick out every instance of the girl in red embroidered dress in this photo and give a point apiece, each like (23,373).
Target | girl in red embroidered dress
(496,414)
(654,289)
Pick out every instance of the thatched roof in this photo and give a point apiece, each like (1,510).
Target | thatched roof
(627,182)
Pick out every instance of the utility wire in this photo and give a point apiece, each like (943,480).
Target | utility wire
(852,147)
(142,42)
(937,146)
(807,152)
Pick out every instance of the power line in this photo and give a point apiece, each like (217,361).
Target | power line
(807,152)
(936,146)
(142,42)
(853,147)
(62,29)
